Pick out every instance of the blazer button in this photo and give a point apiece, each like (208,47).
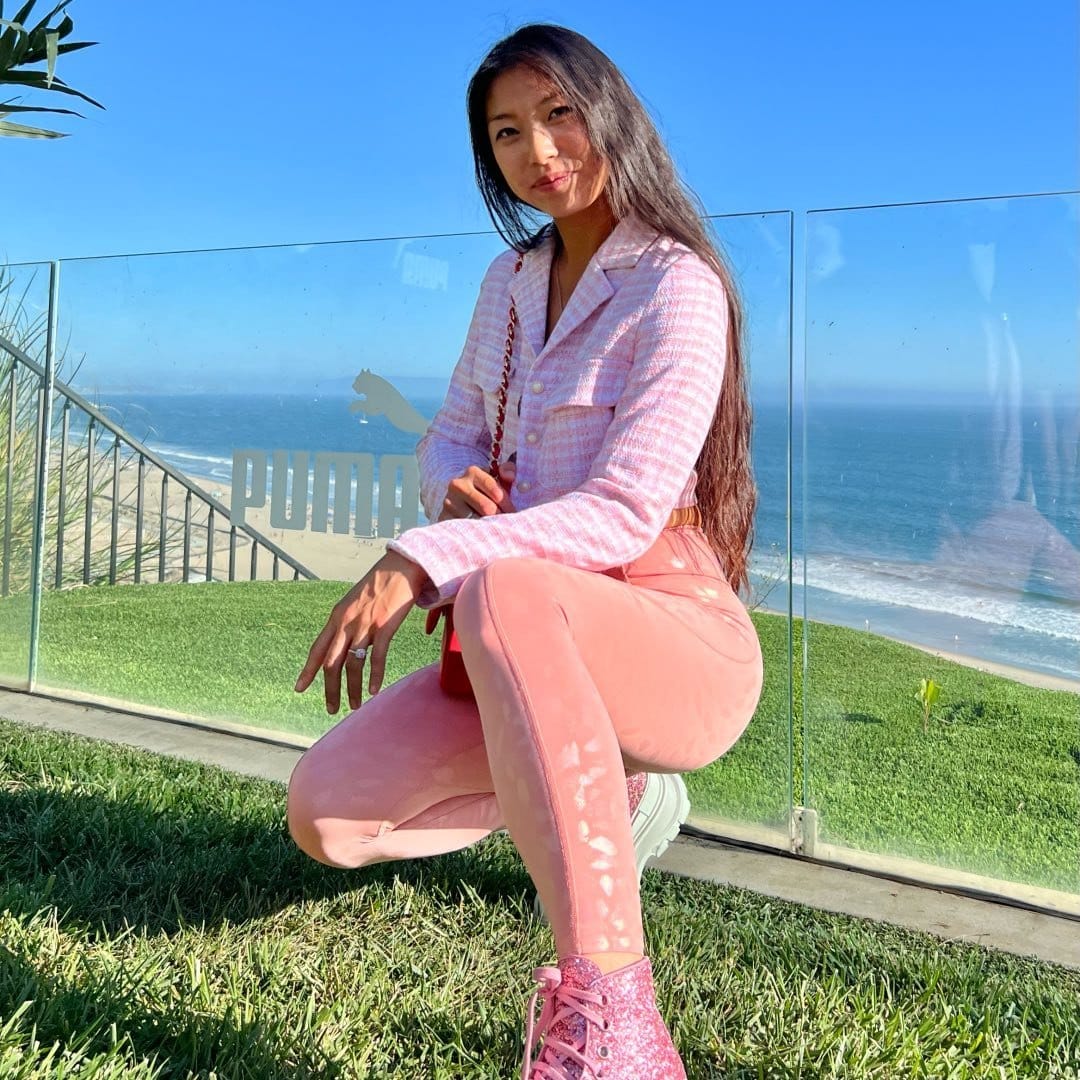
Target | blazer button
(531,437)
(537,387)
(524,485)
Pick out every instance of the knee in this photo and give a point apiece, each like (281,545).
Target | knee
(317,830)
(303,812)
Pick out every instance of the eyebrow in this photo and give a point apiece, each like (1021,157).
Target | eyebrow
(510,116)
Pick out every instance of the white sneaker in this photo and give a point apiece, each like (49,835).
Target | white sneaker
(663,807)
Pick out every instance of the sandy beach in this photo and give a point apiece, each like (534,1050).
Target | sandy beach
(327,555)
(1032,678)
(330,556)
(1042,680)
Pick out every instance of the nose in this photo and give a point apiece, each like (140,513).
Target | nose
(542,145)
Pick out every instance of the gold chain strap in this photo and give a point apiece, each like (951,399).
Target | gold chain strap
(504,386)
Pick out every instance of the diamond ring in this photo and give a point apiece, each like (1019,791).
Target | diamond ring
(359,652)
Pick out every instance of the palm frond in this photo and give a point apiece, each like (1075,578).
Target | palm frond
(24,43)
(23,132)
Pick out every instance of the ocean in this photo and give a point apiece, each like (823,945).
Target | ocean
(956,527)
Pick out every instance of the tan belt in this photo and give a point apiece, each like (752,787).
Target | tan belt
(685,515)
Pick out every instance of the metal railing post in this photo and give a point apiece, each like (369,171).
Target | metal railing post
(9,484)
(41,504)
(61,508)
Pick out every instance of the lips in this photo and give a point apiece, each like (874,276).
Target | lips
(547,182)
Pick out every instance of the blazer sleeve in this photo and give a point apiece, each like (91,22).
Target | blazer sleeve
(458,436)
(651,446)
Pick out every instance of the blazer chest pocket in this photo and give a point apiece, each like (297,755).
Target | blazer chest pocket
(576,416)
(598,383)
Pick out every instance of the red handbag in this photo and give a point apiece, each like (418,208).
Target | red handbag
(453,678)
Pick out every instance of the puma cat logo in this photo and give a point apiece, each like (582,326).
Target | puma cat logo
(381,398)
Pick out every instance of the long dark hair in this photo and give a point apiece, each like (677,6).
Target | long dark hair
(642,180)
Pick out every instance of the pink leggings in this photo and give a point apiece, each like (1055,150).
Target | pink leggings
(580,678)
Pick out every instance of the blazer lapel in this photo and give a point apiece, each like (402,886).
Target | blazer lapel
(590,292)
(529,290)
(621,250)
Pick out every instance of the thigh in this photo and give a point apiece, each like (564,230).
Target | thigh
(402,751)
(670,649)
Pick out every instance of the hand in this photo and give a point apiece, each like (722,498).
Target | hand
(476,493)
(367,616)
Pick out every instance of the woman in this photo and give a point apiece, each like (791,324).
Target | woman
(594,570)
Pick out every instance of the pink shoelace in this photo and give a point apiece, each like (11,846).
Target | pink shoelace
(565,1007)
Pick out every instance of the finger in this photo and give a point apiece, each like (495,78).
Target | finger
(314,659)
(354,679)
(457,497)
(380,645)
(377,665)
(478,506)
(508,474)
(468,504)
(488,487)
(456,508)
(331,669)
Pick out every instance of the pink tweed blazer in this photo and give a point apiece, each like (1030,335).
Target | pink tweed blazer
(615,407)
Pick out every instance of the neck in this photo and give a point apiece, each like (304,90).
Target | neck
(581,235)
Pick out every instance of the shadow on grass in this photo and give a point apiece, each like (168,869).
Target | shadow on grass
(107,865)
(103,1016)
(981,714)
(862,718)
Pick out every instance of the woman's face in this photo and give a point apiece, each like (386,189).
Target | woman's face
(541,146)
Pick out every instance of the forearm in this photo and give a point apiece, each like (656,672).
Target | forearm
(587,528)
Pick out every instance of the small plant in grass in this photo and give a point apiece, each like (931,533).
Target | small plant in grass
(929,692)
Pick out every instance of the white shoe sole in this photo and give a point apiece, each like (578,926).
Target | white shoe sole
(664,806)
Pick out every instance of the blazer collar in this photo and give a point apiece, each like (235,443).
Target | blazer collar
(621,250)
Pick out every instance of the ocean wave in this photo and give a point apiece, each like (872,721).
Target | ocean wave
(197,464)
(927,587)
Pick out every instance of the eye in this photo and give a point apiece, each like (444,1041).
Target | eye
(562,110)
(504,131)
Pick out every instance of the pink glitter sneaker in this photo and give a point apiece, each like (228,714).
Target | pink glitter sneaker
(658,805)
(598,1027)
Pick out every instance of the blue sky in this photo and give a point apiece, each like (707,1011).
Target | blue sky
(264,123)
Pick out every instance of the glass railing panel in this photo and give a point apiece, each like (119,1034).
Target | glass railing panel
(746,793)
(24,303)
(252,417)
(943,541)
(271,399)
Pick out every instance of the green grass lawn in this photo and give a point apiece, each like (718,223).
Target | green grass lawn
(156,921)
(992,787)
